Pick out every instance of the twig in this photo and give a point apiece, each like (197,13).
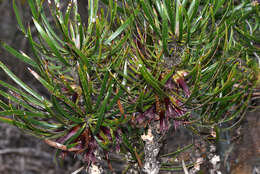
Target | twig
(60,146)
(138,159)
(78,170)
(184,167)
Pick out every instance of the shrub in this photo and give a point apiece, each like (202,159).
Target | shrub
(133,66)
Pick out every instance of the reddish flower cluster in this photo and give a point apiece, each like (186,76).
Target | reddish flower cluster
(86,143)
(168,108)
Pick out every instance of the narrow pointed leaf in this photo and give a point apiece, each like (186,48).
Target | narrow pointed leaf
(102,110)
(119,30)
(18,18)
(20,83)
(50,43)
(18,55)
(33,9)
(86,87)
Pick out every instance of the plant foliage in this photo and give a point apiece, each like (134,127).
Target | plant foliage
(134,63)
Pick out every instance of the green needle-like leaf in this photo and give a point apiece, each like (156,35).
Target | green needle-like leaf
(21,56)
(152,81)
(86,87)
(51,43)
(20,83)
(120,29)
(102,110)
(18,18)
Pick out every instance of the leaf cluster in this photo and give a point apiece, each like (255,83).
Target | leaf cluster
(197,59)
